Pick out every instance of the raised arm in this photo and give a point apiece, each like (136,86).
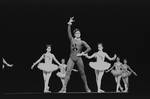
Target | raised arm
(106,55)
(87,46)
(69,27)
(55,60)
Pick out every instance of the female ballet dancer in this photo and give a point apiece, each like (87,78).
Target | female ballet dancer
(5,63)
(76,47)
(48,67)
(100,65)
(62,72)
(126,74)
(117,73)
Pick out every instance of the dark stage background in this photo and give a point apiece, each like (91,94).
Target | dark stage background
(28,25)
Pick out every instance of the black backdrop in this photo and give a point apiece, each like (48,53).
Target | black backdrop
(27,26)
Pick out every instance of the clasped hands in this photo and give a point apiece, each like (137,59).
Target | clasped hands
(82,54)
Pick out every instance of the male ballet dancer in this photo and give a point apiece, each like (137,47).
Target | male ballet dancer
(76,47)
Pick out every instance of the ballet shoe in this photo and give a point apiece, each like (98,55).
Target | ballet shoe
(99,91)
(125,91)
(63,90)
(117,91)
(47,91)
(88,90)
(121,89)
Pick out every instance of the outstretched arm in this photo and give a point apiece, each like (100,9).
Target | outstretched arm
(89,57)
(87,46)
(132,71)
(106,55)
(10,65)
(69,27)
(56,60)
(37,61)
(111,68)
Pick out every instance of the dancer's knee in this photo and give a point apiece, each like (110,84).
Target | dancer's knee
(82,72)
(68,73)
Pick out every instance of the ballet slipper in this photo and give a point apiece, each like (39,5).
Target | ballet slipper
(125,90)
(63,90)
(47,91)
(117,91)
(99,91)
(88,90)
(121,89)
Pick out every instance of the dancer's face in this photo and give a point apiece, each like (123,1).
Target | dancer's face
(100,47)
(62,61)
(125,61)
(48,49)
(77,34)
(118,59)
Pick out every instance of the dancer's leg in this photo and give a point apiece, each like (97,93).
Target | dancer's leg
(118,83)
(83,76)
(70,66)
(96,74)
(62,80)
(99,81)
(116,79)
(44,76)
(47,79)
(126,84)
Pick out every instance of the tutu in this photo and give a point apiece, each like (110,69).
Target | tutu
(99,65)
(47,67)
(117,72)
(61,75)
(126,74)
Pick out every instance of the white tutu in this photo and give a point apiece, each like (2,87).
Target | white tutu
(47,67)
(61,75)
(126,74)
(117,72)
(99,65)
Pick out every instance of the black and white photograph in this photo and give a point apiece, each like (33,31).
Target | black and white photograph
(75,49)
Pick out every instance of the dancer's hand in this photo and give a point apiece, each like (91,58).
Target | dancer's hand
(86,55)
(71,20)
(81,54)
(32,66)
(75,70)
(10,65)
(134,73)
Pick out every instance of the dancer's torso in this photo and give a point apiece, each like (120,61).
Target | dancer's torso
(125,67)
(100,56)
(63,68)
(76,47)
(118,66)
(48,58)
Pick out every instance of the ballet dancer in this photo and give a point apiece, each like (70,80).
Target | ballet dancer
(5,63)
(62,72)
(48,67)
(76,47)
(100,66)
(117,73)
(126,74)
